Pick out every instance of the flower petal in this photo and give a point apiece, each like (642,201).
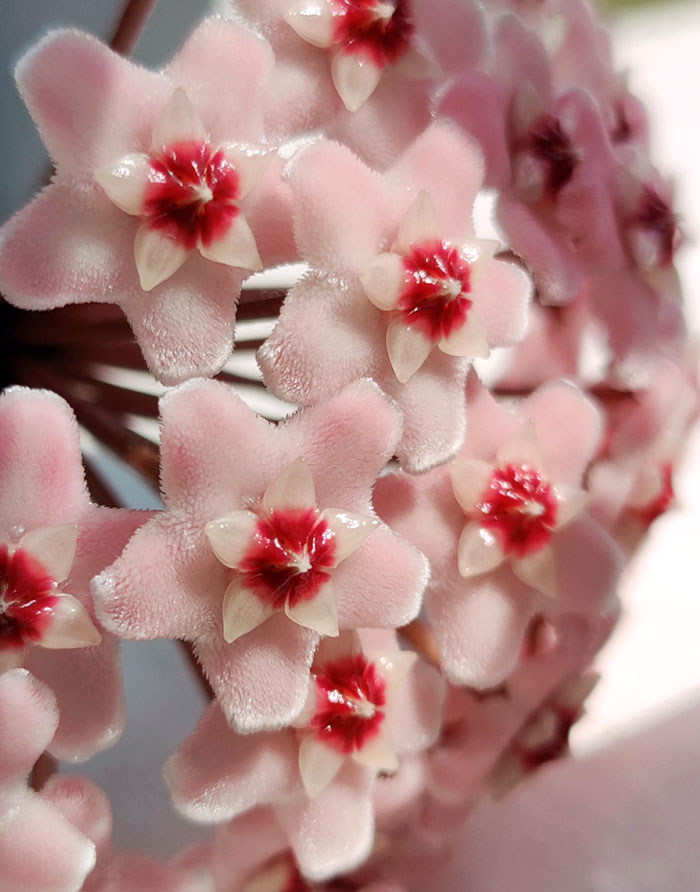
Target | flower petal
(383,280)
(469,340)
(313,22)
(379,753)
(470,478)
(538,570)
(293,488)
(71,626)
(125,181)
(522,448)
(318,764)
(53,547)
(350,530)
(571,501)
(179,122)
(157,256)
(319,613)
(236,247)
(250,162)
(478,551)
(230,536)
(479,253)
(408,349)
(355,77)
(394,666)
(421,223)
(243,610)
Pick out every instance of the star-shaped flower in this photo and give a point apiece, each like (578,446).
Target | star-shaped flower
(53,540)
(286,508)
(164,198)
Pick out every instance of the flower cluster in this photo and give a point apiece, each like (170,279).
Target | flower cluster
(395,591)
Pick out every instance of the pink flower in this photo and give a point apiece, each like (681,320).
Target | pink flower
(39,846)
(369,705)
(399,289)
(53,540)
(160,192)
(516,503)
(269,540)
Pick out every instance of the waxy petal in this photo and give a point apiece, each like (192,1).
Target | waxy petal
(421,223)
(469,340)
(379,753)
(250,162)
(538,570)
(350,530)
(243,610)
(522,448)
(157,256)
(125,181)
(53,547)
(355,77)
(230,536)
(71,626)
(408,349)
(293,488)
(479,253)
(383,280)
(313,22)
(178,123)
(319,613)
(570,502)
(478,551)
(318,764)
(236,247)
(470,478)
(394,666)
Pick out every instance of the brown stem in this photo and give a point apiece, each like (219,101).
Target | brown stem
(422,640)
(130,25)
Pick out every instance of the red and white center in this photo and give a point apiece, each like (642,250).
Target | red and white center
(27,599)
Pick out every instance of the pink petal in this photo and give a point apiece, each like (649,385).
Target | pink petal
(262,680)
(570,502)
(293,488)
(125,181)
(333,832)
(29,718)
(243,610)
(522,448)
(355,77)
(490,423)
(178,122)
(417,709)
(236,247)
(539,571)
(313,22)
(158,256)
(502,299)
(53,547)
(350,530)
(65,247)
(71,626)
(217,774)
(478,551)
(383,280)
(69,81)
(588,567)
(320,613)
(408,349)
(82,803)
(394,665)
(230,536)
(470,478)
(421,223)
(469,340)
(318,764)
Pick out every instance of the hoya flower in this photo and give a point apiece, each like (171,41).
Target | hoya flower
(269,540)
(479,616)
(163,195)
(369,705)
(53,540)
(29,718)
(399,290)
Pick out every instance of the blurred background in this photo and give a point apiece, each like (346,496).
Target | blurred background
(623,818)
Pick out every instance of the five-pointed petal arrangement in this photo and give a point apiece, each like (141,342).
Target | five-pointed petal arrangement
(425,283)
(284,552)
(363,36)
(186,192)
(512,511)
(346,712)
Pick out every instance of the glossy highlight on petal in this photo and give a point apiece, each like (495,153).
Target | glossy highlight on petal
(378,29)
(27,599)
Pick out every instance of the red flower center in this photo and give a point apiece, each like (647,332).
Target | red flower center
(351,694)
(381,30)
(520,508)
(27,599)
(436,284)
(289,556)
(191,193)
(555,148)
